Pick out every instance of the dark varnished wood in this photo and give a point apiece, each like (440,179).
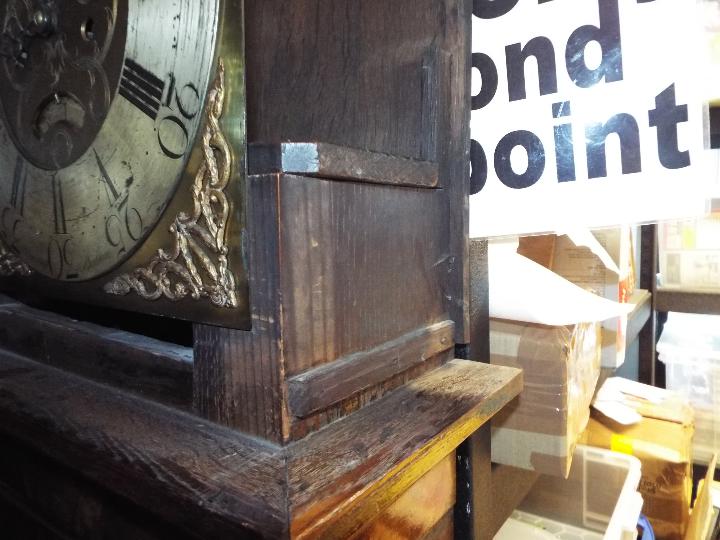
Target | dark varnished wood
(205,479)
(151,368)
(391,78)
(66,505)
(333,498)
(211,481)
(237,379)
(336,269)
(640,315)
(648,335)
(687,301)
(421,510)
(319,388)
(325,160)
(355,270)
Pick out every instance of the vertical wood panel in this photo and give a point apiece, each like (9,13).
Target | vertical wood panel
(648,281)
(391,77)
(238,374)
(359,266)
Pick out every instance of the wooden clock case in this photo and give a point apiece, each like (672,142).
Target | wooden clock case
(344,402)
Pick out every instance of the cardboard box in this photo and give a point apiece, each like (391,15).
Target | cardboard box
(662,440)
(703,515)
(539,429)
(584,267)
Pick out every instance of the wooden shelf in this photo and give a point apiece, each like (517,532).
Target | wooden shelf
(214,481)
(688,301)
(640,315)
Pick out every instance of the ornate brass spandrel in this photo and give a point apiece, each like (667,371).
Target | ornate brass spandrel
(197,265)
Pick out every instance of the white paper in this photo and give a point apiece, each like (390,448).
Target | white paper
(613,395)
(585,238)
(659,51)
(523,290)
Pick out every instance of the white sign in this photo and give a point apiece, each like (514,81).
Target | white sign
(585,113)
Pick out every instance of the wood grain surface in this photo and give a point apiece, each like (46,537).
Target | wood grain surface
(151,368)
(387,77)
(335,162)
(333,497)
(211,481)
(318,388)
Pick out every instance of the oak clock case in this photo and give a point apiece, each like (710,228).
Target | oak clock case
(122,155)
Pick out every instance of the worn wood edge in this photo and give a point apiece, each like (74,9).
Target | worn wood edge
(152,368)
(206,478)
(319,388)
(688,301)
(167,353)
(348,516)
(639,315)
(333,162)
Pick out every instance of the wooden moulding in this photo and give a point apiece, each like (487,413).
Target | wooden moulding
(149,367)
(215,482)
(688,301)
(640,315)
(319,388)
(325,160)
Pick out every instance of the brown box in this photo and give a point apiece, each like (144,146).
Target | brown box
(539,429)
(579,265)
(663,443)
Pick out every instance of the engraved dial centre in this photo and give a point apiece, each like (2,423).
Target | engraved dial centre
(59,69)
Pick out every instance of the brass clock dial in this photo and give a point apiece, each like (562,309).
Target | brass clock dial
(100,106)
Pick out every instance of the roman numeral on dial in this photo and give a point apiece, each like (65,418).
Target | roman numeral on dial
(141,88)
(58,206)
(17,197)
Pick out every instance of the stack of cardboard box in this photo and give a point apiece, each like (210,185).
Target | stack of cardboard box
(661,437)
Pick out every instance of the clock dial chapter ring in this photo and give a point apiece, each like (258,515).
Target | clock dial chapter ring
(58,80)
(101,103)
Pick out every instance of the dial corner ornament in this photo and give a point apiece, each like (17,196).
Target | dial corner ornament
(197,265)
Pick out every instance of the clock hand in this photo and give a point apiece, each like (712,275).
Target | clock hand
(42,24)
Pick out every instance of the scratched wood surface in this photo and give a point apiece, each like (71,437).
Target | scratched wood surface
(39,493)
(211,482)
(336,269)
(389,77)
(185,470)
(333,498)
(149,367)
(420,511)
(325,160)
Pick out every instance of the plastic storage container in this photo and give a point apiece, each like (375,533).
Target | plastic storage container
(690,254)
(690,349)
(599,500)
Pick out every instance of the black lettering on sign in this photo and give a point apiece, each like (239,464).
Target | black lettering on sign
(478,161)
(492,9)
(626,128)
(564,151)
(535,155)
(17,196)
(489,76)
(607,34)
(141,88)
(541,48)
(666,116)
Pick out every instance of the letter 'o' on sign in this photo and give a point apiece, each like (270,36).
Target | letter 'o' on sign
(491,9)
(535,158)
